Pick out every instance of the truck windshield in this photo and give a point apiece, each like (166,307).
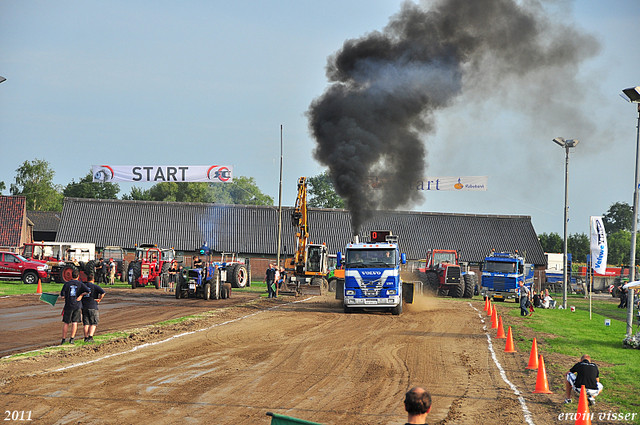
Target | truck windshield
(371,258)
(499,267)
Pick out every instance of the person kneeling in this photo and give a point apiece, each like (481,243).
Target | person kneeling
(583,373)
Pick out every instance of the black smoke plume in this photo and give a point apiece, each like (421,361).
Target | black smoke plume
(387,85)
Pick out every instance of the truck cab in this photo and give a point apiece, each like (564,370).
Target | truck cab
(372,274)
(501,274)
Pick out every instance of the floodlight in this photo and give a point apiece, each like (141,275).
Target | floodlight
(559,141)
(632,94)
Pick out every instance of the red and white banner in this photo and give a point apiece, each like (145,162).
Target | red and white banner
(162,173)
(599,249)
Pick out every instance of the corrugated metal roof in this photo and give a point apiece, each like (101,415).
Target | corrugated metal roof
(44,221)
(249,229)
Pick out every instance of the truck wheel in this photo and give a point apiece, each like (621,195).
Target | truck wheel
(333,284)
(239,276)
(476,290)
(30,277)
(431,288)
(468,286)
(397,309)
(207,292)
(67,272)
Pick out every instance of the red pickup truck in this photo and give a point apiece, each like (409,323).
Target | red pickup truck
(15,266)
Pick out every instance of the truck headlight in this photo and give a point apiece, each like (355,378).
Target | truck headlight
(391,292)
(42,268)
(350,292)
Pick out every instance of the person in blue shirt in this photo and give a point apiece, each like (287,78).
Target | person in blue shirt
(90,316)
(72,292)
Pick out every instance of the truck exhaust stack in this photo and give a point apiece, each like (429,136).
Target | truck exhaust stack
(356,239)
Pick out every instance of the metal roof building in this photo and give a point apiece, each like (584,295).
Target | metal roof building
(252,230)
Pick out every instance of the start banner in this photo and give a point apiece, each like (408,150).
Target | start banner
(162,173)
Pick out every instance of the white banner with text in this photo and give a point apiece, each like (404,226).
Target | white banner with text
(162,173)
(599,249)
(439,184)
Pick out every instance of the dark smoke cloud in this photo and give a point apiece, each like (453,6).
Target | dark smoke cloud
(386,86)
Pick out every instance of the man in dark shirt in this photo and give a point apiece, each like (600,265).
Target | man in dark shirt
(197,263)
(90,302)
(417,403)
(72,292)
(269,278)
(583,373)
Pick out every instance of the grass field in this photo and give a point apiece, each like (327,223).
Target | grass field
(573,334)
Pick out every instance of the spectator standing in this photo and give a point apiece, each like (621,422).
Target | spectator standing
(112,271)
(269,279)
(105,271)
(173,270)
(583,373)
(99,273)
(623,297)
(90,303)
(72,292)
(283,278)
(524,299)
(417,403)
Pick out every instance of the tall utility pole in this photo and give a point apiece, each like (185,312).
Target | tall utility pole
(280,204)
(566,144)
(633,95)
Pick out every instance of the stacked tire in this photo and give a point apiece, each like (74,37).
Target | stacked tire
(238,276)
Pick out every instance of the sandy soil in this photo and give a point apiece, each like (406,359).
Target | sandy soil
(299,357)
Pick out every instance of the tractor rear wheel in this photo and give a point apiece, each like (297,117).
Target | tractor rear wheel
(135,269)
(433,282)
(468,286)
(458,290)
(67,272)
(216,285)
(90,267)
(239,276)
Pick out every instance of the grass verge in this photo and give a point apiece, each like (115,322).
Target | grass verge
(575,333)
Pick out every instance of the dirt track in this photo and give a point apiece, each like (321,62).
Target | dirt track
(305,359)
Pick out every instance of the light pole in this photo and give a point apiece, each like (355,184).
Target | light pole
(633,95)
(566,144)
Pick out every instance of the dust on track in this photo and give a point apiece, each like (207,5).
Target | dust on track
(306,359)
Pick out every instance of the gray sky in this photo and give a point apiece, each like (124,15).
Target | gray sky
(209,82)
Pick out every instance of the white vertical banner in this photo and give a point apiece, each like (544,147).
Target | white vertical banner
(599,248)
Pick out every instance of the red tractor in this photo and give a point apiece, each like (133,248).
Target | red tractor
(151,266)
(443,275)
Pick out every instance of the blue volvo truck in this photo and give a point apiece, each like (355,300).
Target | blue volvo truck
(372,274)
(501,274)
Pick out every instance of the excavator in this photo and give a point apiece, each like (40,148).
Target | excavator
(308,268)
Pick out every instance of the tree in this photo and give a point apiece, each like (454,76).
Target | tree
(87,188)
(3,187)
(552,242)
(322,193)
(34,180)
(619,247)
(618,217)
(242,190)
(578,245)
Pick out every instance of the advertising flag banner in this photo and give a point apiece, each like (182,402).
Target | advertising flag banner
(599,249)
(162,173)
(439,184)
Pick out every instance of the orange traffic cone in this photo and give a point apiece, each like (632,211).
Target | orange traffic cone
(489,309)
(501,334)
(486,303)
(39,289)
(542,385)
(494,318)
(583,417)
(509,348)
(533,357)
